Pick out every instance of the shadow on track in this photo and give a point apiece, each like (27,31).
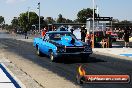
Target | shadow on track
(71,60)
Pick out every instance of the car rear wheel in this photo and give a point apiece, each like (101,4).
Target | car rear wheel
(52,58)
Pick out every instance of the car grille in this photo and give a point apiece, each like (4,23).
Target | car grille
(74,49)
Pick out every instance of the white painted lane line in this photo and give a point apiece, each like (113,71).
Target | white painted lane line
(15,79)
(3,77)
(7,85)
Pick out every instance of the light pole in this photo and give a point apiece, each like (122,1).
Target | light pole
(28,13)
(93,24)
(39,15)
(97,8)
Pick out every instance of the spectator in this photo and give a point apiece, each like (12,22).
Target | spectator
(83,33)
(54,28)
(126,36)
(62,28)
(43,32)
(25,33)
(71,30)
(119,34)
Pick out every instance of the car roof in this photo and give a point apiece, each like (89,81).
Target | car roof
(58,32)
(59,29)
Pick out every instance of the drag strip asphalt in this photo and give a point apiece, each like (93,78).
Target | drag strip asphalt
(67,68)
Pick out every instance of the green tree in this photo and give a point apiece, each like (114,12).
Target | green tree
(69,21)
(49,20)
(75,21)
(125,21)
(27,22)
(43,22)
(115,21)
(14,22)
(2,21)
(60,19)
(8,27)
(84,14)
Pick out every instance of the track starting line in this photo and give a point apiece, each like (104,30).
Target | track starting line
(6,79)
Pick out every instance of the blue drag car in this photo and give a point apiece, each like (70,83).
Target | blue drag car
(63,43)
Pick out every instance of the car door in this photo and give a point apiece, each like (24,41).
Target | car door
(45,44)
(41,42)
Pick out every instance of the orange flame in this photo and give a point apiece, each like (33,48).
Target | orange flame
(81,71)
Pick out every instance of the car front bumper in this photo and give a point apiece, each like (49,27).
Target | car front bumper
(73,54)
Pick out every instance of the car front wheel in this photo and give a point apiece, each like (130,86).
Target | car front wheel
(38,52)
(52,58)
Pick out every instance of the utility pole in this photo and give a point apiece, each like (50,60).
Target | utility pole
(39,15)
(93,24)
(97,8)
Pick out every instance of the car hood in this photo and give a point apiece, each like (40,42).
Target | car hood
(69,41)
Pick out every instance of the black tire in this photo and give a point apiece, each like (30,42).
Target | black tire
(80,80)
(52,58)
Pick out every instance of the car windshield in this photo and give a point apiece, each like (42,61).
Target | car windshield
(58,36)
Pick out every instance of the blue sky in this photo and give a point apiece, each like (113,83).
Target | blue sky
(119,9)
